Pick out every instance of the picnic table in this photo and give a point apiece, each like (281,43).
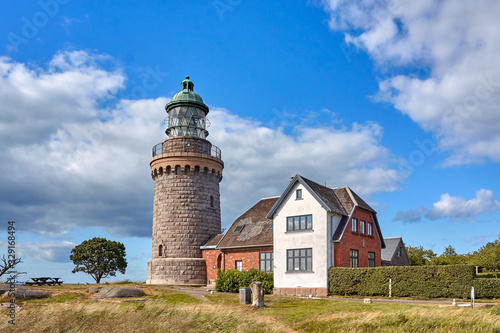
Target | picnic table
(44,281)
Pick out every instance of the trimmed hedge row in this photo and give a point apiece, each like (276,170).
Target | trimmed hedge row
(232,280)
(452,281)
(487,288)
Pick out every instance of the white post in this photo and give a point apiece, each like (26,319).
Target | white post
(472,297)
(390,287)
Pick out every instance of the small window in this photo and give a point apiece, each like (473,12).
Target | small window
(354,225)
(354,258)
(298,194)
(266,262)
(299,260)
(160,250)
(211,201)
(370,229)
(238,229)
(399,252)
(177,169)
(296,223)
(238,264)
(362,225)
(371,259)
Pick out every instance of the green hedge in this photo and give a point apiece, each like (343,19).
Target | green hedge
(452,281)
(487,288)
(232,280)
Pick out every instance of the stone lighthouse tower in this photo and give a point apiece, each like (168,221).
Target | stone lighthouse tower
(186,169)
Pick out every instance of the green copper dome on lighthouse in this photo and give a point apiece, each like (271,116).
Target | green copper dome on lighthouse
(186,96)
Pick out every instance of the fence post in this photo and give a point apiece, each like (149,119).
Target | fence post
(390,287)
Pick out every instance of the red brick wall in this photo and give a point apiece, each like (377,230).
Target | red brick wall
(357,241)
(249,257)
(210,257)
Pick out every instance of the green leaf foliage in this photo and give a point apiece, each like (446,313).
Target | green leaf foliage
(232,280)
(488,256)
(99,257)
(452,281)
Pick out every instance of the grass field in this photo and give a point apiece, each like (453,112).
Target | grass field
(71,309)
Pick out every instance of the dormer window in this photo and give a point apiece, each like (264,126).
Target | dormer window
(238,229)
(298,194)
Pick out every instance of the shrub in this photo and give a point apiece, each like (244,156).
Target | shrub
(453,281)
(487,288)
(232,280)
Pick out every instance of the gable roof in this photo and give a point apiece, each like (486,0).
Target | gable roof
(254,225)
(340,200)
(212,242)
(391,245)
(324,195)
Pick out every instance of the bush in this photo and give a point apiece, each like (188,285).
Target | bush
(453,281)
(232,280)
(487,288)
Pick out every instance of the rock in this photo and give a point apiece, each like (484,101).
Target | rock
(111,292)
(28,294)
(94,289)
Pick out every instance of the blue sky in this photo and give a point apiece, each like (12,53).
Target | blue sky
(396,99)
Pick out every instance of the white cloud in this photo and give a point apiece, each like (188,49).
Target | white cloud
(453,47)
(69,161)
(458,208)
(410,216)
(49,251)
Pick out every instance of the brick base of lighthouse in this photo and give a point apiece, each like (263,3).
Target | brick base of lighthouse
(177,271)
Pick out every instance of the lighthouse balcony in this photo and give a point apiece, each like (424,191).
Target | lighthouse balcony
(187,145)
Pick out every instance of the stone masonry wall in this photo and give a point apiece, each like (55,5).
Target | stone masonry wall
(183,217)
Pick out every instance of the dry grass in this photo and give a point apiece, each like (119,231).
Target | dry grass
(71,309)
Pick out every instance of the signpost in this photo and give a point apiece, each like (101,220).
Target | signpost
(472,297)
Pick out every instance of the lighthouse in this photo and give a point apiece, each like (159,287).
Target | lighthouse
(186,169)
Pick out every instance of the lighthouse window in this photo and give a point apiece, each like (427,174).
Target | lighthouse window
(211,201)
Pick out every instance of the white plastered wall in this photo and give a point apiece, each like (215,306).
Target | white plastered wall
(319,239)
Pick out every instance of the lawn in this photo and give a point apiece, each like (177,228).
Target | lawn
(71,309)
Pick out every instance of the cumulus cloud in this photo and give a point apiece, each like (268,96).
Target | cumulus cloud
(458,208)
(50,251)
(453,45)
(410,216)
(74,154)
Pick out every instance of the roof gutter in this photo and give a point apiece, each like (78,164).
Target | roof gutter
(243,247)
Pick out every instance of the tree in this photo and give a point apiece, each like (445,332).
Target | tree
(7,265)
(419,256)
(449,257)
(99,257)
(488,256)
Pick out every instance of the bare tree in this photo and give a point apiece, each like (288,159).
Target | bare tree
(7,265)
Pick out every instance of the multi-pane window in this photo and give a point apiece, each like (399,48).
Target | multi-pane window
(299,260)
(266,262)
(371,259)
(370,229)
(354,225)
(362,225)
(298,194)
(295,223)
(354,258)
(238,264)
